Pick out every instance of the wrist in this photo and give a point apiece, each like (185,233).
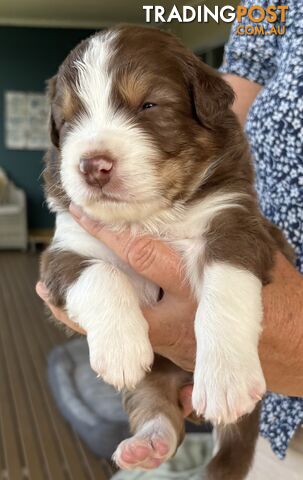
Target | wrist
(281,344)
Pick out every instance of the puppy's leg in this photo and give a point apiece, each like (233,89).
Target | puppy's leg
(235,445)
(101,299)
(228,378)
(155,417)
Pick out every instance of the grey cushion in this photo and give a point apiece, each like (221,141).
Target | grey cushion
(92,407)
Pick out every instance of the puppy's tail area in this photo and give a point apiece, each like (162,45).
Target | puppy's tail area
(235,448)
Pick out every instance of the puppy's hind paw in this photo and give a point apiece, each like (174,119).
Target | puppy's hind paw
(149,448)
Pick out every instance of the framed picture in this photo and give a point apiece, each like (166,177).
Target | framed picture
(26,121)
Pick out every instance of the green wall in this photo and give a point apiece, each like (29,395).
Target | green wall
(29,56)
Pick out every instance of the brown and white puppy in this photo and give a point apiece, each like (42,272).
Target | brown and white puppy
(144,137)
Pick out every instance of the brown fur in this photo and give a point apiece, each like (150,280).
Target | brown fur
(59,270)
(158,393)
(237,446)
(52,181)
(201,149)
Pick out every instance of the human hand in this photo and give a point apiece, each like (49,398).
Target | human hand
(57,312)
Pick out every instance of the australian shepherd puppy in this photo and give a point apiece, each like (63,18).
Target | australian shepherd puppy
(143,137)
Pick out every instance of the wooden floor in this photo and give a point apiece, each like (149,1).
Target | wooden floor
(35,442)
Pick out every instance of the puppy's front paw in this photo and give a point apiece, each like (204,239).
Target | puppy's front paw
(121,358)
(223,392)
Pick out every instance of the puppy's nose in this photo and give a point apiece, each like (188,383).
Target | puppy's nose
(96,170)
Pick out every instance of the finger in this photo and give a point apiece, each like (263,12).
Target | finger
(149,257)
(185,398)
(42,291)
(62,317)
(58,313)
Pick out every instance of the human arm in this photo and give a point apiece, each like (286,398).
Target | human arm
(250,61)
(245,91)
(281,344)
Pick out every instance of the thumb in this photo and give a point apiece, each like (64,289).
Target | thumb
(149,257)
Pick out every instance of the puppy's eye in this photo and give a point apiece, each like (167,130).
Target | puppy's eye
(148,105)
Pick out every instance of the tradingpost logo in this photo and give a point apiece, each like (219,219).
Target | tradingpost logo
(273,18)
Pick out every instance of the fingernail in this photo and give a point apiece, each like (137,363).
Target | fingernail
(75,210)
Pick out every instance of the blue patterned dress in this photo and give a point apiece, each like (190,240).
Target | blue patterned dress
(275,131)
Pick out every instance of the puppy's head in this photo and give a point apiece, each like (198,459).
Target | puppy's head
(135,121)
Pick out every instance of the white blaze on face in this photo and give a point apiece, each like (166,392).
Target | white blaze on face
(101,128)
(94,80)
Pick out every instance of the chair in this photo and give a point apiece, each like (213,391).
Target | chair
(13,224)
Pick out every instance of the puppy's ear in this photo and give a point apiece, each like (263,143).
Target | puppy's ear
(211,95)
(51,90)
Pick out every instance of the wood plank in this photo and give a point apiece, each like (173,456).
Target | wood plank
(48,448)
(99,469)
(64,436)
(11,453)
(24,348)
(52,337)
(22,406)
(93,463)
(77,463)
